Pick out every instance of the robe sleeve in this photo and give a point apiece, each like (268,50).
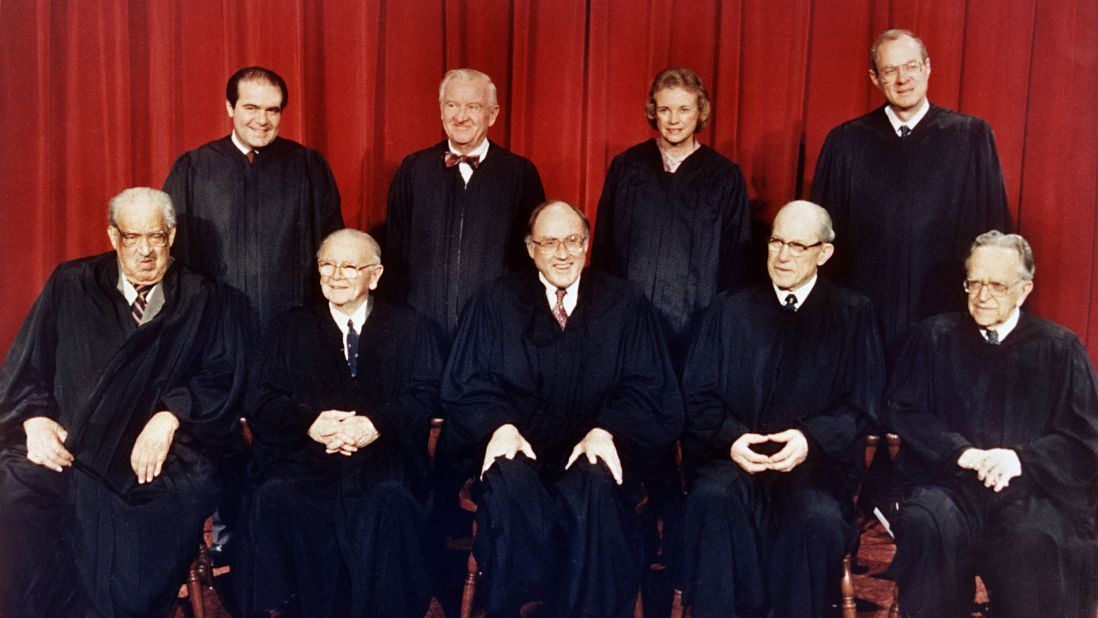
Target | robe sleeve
(397,220)
(1064,461)
(280,423)
(735,234)
(602,251)
(984,197)
(831,189)
(178,186)
(26,378)
(325,203)
(533,194)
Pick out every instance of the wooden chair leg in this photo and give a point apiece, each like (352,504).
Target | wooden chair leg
(194,591)
(638,607)
(676,604)
(470,589)
(894,611)
(846,585)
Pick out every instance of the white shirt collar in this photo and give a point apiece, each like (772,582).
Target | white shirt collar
(480,151)
(358,318)
(801,293)
(244,150)
(896,123)
(1007,326)
(571,294)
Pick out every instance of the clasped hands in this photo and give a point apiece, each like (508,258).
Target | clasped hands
(598,444)
(46,445)
(343,431)
(994,467)
(794,451)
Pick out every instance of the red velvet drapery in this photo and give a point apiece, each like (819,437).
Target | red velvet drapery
(98,95)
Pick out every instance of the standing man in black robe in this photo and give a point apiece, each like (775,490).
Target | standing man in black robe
(253,208)
(340,417)
(779,385)
(115,397)
(998,413)
(907,171)
(457,210)
(558,386)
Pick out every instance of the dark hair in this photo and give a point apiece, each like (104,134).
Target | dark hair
(546,204)
(678,77)
(893,35)
(254,74)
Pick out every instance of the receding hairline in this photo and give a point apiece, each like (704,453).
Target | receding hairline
(825,228)
(469,75)
(148,195)
(546,205)
(894,34)
(352,234)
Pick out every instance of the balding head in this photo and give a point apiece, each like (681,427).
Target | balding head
(800,242)
(349,262)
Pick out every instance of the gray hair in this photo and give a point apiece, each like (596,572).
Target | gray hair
(826,230)
(893,35)
(158,198)
(995,238)
(352,234)
(546,204)
(470,74)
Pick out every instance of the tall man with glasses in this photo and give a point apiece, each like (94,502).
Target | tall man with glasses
(907,186)
(559,385)
(779,384)
(998,412)
(340,415)
(116,398)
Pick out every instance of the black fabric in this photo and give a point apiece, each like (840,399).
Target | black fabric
(756,367)
(444,238)
(682,238)
(1036,394)
(342,534)
(79,360)
(608,368)
(906,210)
(255,227)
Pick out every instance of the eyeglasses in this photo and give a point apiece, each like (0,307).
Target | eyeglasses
(887,75)
(347,271)
(129,239)
(995,288)
(796,249)
(549,246)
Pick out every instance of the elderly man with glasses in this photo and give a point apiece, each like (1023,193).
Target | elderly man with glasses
(116,399)
(998,413)
(780,381)
(340,414)
(558,386)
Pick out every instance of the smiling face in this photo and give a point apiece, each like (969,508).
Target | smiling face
(257,113)
(349,254)
(1003,265)
(467,112)
(138,228)
(676,116)
(906,91)
(799,225)
(560,266)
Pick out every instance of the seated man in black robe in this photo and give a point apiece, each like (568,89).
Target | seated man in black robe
(998,413)
(558,386)
(341,414)
(115,399)
(779,383)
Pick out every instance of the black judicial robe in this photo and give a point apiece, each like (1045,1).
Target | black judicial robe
(256,227)
(756,368)
(1036,394)
(512,363)
(79,360)
(315,515)
(444,238)
(682,238)
(906,210)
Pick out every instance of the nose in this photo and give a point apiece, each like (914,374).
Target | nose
(560,250)
(462,113)
(984,293)
(784,254)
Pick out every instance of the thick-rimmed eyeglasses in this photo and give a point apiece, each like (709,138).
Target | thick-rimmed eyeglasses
(347,271)
(130,239)
(549,246)
(995,288)
(887,75)
(796,249)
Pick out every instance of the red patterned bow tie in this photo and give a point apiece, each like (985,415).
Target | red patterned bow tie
(453,159)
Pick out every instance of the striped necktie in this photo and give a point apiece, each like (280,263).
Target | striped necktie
(137,307)
(558,310)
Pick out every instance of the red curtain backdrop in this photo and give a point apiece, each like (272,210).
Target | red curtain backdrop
(96,96)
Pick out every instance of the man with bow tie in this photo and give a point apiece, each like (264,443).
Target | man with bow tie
(457,210)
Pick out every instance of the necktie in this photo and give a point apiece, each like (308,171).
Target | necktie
(558,310)
(905,130)
(137,307)
(453,159)
(992,337)
(251,156)
(352,348)
(790,303)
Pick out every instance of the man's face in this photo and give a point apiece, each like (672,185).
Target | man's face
(343,256)
(466,114)
(556,227)
(988,266)
(676,115)
(142,241)
(791,258)
(257,114)
(902,75)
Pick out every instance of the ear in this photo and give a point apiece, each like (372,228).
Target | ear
(492,113)
(826,251)
(171,237)
(112,234)
(376,276)
(229,108)
(531,248)
(1027,288)
(927,62)
(872,78)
